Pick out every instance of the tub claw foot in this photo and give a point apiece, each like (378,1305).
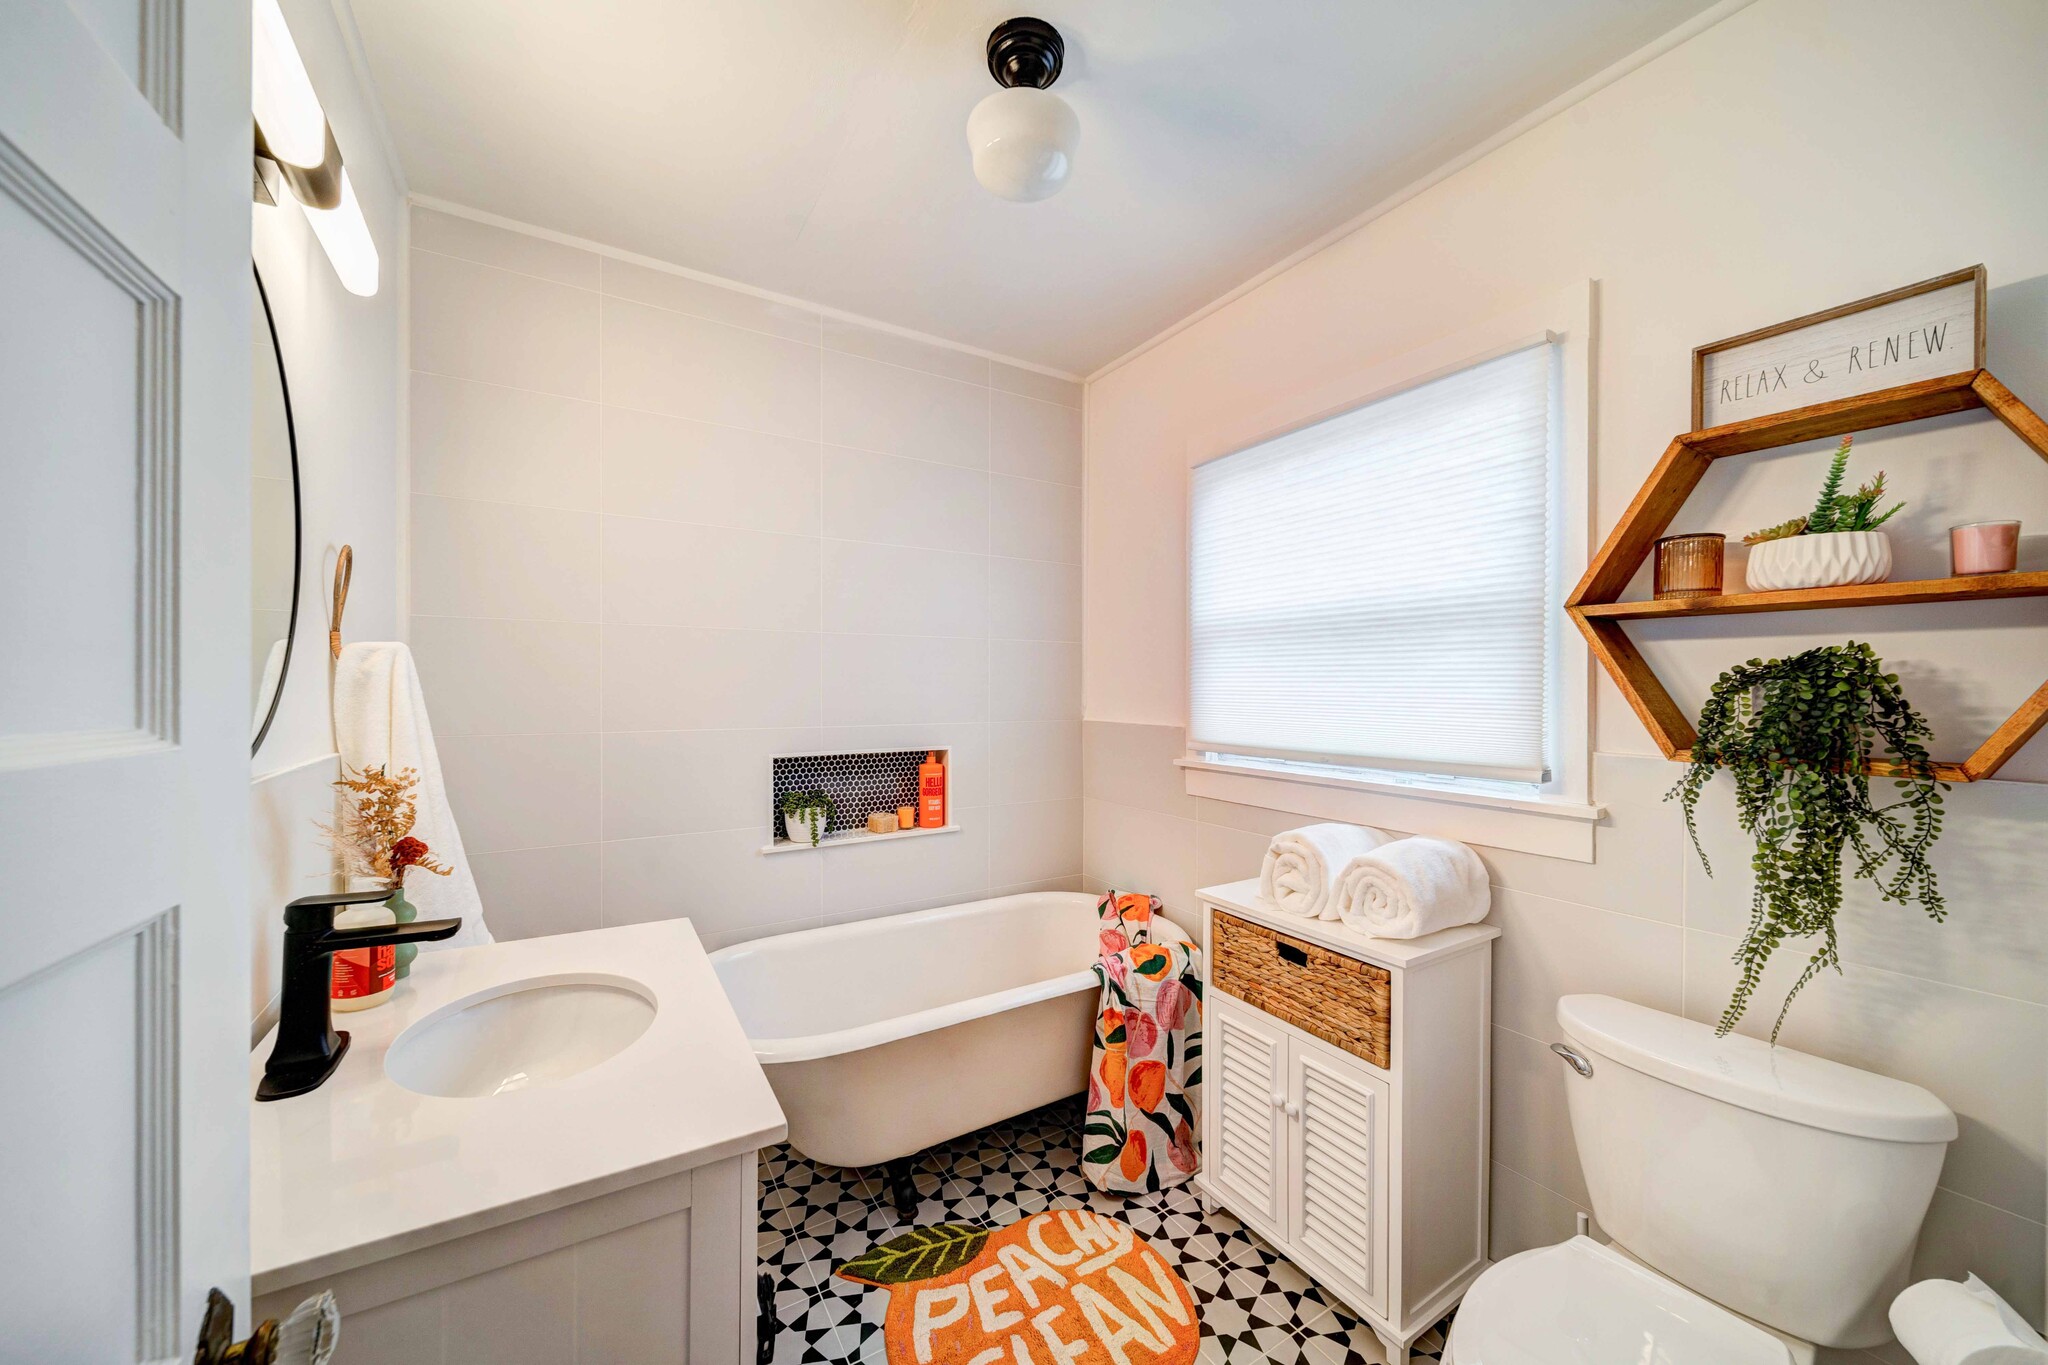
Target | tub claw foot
(903,1186)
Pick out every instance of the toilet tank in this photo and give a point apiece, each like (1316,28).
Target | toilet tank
(1781,1185)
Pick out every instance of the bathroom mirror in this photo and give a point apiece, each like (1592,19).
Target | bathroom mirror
(275,524)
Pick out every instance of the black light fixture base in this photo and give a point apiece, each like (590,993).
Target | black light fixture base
(1025,52)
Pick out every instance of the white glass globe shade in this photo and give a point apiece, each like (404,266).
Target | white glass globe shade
(1023,142)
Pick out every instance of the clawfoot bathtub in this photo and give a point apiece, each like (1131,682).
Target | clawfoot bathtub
(887,1036)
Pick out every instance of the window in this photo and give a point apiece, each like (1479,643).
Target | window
(1378,591)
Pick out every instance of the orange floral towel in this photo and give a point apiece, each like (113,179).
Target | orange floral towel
(1144,1086)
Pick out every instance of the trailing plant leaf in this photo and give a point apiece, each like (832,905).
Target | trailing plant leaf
(920,1254)
(1783,530)
(1795,733)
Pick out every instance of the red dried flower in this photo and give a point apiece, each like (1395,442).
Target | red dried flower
(410,852)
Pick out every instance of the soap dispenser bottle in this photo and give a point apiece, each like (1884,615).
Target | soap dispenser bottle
(931,792)
(363,978)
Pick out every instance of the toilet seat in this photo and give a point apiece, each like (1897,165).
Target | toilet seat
(1582,1303)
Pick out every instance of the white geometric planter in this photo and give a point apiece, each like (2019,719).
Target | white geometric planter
(1827,560)
(798,830)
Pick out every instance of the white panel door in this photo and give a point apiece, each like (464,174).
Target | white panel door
(1337,1211)
(124,550)
(1244,1069)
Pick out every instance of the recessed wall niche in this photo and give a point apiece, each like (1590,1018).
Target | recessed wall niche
(858,785)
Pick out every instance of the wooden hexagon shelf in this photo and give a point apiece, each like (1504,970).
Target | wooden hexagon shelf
(1596,603)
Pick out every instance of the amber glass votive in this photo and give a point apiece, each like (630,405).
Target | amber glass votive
(1983,547)
(1690,566)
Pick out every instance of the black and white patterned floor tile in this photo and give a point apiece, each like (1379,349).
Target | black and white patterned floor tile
(1256,1307)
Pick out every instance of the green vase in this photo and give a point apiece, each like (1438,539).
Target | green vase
(405,912)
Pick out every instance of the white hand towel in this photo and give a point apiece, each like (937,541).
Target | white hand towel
(380,721)
(1413,887)
(1299,875)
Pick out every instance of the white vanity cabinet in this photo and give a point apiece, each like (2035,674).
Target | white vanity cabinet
(1371,1177)
(540,1195)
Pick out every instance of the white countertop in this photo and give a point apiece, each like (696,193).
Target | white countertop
(363,1168)
(1242,899)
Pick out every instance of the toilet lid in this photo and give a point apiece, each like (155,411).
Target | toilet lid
(1581,1303)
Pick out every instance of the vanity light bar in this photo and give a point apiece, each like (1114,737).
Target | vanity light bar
(281,93)
(346,237)
(292,131)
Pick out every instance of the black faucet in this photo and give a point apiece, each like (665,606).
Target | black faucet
(308,1049)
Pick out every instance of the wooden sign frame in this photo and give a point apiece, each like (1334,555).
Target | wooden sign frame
(1972,274)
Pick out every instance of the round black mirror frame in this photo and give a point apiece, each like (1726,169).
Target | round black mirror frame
(291,433)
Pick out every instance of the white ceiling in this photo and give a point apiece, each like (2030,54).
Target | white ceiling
(816,147)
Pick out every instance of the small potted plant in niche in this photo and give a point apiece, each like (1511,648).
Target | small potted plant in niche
(806,816)
(1796,734)
(1837,542)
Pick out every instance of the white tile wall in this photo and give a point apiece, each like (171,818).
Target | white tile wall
(663,531)
(1956,1007)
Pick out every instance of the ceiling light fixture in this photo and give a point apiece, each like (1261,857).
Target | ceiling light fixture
(1023,136)
(295,145)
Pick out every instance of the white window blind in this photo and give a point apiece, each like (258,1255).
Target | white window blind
(1376,591)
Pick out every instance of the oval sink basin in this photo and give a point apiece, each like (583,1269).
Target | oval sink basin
(522,1034)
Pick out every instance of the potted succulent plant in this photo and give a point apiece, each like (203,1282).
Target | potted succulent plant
(1796,734)
(806,816)
(1837,542)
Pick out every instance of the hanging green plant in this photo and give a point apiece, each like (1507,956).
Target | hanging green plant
(1796,733)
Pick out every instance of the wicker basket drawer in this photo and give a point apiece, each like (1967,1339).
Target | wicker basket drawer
(1339,999)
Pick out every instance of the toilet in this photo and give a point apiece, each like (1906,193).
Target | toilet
(1761,1202)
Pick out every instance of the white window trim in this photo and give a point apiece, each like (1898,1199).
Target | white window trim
(1557,820)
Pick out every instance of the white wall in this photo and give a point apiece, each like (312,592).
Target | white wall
(1799,154)
(663,530)
(341,356)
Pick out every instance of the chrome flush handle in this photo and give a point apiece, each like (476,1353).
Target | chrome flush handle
(1573,1059)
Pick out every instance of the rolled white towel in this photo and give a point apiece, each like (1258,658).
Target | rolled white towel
(1413,887)
(1300,872)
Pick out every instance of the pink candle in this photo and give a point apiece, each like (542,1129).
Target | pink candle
(1984,547)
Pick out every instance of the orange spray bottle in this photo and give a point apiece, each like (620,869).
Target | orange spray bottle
(931,792)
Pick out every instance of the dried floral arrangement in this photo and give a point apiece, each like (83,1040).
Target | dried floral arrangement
(1835,510)
(372,832)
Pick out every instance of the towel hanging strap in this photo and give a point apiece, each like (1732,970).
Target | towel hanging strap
(344,569)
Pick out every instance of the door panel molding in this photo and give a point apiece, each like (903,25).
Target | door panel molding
(163,59)
(155,722)
(152,948)
(156,1175)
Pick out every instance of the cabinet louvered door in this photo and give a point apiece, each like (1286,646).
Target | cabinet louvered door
(1246,1064)
(1337,1214)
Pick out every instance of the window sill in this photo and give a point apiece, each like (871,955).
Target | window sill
(1554,827)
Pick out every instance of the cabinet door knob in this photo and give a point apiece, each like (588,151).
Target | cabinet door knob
(1278,1099)
(1293,1110)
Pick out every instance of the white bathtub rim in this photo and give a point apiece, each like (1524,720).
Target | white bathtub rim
(812,1047)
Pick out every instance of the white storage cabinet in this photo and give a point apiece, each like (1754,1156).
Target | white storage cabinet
(1372,1179)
